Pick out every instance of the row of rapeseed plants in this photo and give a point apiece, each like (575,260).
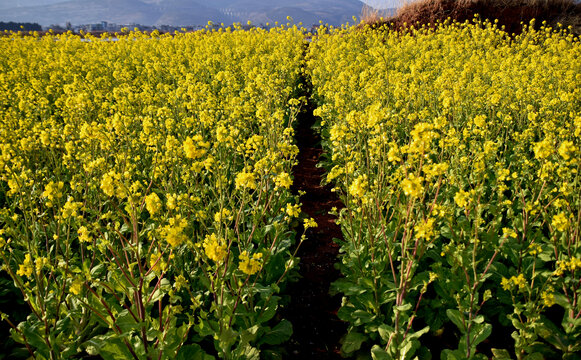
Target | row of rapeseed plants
(145,209)
(456,150)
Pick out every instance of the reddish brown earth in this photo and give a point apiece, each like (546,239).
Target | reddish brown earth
(312,311)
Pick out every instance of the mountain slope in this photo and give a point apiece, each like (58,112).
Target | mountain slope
(178,12)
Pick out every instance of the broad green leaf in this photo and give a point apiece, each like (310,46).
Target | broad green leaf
(535,356)
(500,354)
(479,333)
(408,348)
(346,287)
(279,334)
(352,342)
(448,354)
(377,353)
(385,331)
(268,312)
(109,347)
(362,317)
(249,335)
(193,352)
(127,323)
(227,338)
(457,318)
(418,333)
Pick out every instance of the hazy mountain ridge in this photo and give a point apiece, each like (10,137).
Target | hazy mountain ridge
(178,12)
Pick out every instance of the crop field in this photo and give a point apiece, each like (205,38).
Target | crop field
(148,211)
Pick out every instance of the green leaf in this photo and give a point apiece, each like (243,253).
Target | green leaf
(385,332)
(109,347)
(32,333)
(127,323)
(346,287)
(377,353)
(408,348)
(352,342)
(268,312)
(206,327)
(247,352)
(457,318)
(480,333)
(535,356)
(279,334)
(418,333)
(271,355)
(227,338)
(500,354)
(404,307)
(249,335)
(193,352)
(362,317)
(448,354)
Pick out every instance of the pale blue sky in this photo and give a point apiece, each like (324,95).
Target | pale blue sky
(386,4)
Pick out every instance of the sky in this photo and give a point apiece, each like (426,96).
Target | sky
(385,4)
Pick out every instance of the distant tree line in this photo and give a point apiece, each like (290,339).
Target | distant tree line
(16,26)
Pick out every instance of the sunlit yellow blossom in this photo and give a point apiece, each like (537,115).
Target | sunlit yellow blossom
(245,180)
(506,232)
(76,286)
(157,262)
(223,215)
(548,298)
(571,264)
(535,249)
(152,203)
(174,231)
(480,120)
(195,147)
(112,185)
(293,210)
(462,198)
(40,263)
(358,187)
(310,223)
(53,191)
(180,282)
(425,229)
(412,186)
(250,265)
(26,268)
(84,235)
(393,155)
(283,180)
(71,208)
(505,283)
(215,248)
(514,282)
(543,149)
(560,222)
(435,170)
(567,149)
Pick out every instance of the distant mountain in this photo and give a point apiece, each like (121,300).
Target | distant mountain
(178,12)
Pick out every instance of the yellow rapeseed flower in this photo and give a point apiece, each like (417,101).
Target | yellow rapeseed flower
(26,268)
(250,265)
(560,222)
(152,203)
(214,248)
(412,186)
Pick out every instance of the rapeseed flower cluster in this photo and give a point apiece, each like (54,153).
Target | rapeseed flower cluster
(141,155)
(469,141)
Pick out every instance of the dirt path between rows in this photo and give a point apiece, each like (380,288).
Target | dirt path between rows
(312,311)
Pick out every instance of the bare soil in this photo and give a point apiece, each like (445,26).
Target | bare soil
(312,311)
